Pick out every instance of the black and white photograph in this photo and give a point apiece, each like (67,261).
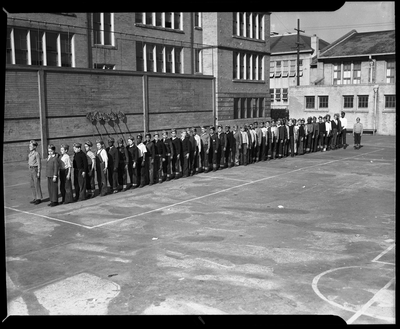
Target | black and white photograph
(208,167)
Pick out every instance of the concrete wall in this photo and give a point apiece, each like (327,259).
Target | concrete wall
(384,121)
(150,102)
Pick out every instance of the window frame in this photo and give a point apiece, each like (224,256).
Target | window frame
(308,102)
(346,99)
(323,101)
(362,101)
(390,101)
(100,40)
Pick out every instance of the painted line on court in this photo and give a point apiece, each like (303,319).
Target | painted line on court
(224,190)
(368,304)
(376,259)
(47,217)
(216,177)
(314,286)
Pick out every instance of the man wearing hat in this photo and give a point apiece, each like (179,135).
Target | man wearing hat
(113,162)
(80,165)
(91,158)
(205,148)
(34,166)
(123,157)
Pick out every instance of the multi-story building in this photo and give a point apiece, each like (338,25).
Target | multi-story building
(162,70)
(283,67)
(355,74)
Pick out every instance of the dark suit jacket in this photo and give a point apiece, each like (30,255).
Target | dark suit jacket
(113,157)
(52,167)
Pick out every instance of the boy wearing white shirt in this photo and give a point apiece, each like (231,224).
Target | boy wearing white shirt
(343,122)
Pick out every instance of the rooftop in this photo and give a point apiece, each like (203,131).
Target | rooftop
(365,43)
(287,43)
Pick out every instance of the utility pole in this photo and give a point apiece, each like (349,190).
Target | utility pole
(298,50)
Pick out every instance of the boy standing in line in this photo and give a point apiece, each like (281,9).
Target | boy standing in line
(237,147)
(159,159)
(357,133)
(65,175)
(34,165)
(91,158)
(177,150)
(222,148)
(186,148)
(343,122)
(149,162)
(141,163)
(167,165)
(80,165)
(101,167)
(52,169)
(113,161)
(230,148)
(205,148)
(196,157)
(123,165)
(133,154)
(245,143)
(315,134)
(215,148)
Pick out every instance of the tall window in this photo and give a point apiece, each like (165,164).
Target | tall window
(255,107)
(285,94)
(9,57)
(285,71)
(271,94)
(21,46)
(357,72)
(348,101)
(346,73)
(278,69)
(292,70)
(261,107)
(36,38)
(149,57)
(337,74)
(103,29)
(236,111)
(149,18)
(390,71)
(139,56)
(323,102)
(169,59)
(271,69)
(249,107)
(160,58)
(177,21)
(51,49)
(198,54)
(278,94)
(260,67)
(243,108)
(158,19)
(310,102)
(362,101)
(178,60)
(197,19)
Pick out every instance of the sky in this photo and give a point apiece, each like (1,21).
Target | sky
(363,16)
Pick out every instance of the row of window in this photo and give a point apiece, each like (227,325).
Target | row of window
(245,108)
(279,94)
(248,66)
(33,47)
(285,68)
(170,20)
(249,25)
(161,58)
(350,73)
(348,101)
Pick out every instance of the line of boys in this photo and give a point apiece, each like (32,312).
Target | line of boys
(165,158)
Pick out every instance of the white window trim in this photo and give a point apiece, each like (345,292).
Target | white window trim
(73,51)
(44,46)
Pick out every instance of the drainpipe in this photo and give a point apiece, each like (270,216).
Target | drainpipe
(376,87)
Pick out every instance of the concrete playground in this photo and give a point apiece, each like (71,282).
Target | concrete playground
(310,235)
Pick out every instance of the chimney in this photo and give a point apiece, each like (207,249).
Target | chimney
(315,45)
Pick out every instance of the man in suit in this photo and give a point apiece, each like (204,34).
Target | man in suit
(215,148)
(169,154)
(205,148)
(113,161)
(230,148)
(160,154)
(186,149)
(237,145)
(222,142)
(80,165)
(150,156)
(177,150)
